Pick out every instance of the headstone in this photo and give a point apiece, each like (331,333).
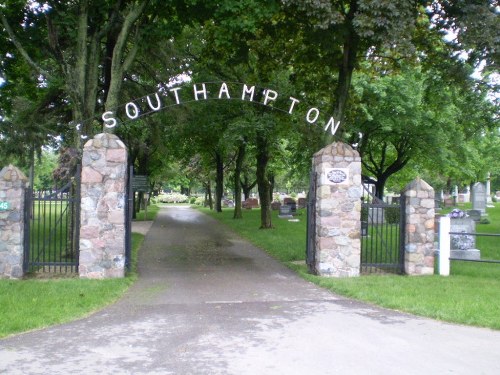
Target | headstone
(474,215)
(251,203)
(275,206)
(463,246)
(448,202)
(285,211)
(488,190)
(301,203)
(479,198)
(290,202)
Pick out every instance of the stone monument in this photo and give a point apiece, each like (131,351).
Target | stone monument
(479,198)
(463,246)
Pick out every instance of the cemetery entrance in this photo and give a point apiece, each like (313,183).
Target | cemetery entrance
(382,234)
(52,227)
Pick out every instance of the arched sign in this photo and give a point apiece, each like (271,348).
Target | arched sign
(169,96)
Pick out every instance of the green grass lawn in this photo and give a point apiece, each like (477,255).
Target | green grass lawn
(470,295)
(37,303)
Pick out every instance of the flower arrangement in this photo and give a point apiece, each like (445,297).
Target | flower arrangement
(457,214)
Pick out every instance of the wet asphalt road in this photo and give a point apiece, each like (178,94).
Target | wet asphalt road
(207,302)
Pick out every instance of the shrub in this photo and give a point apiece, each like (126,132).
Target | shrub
(173,198)
(392,214)
(364,213)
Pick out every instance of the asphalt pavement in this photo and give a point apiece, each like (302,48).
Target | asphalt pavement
(208,302)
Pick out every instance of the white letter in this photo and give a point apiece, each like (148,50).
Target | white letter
(158,103)
(334,126)
(225,90)
(268,96)
(308,116)
(293,104)
(176,95)
(250,91)
(109,122)
(136,110)
(203,90)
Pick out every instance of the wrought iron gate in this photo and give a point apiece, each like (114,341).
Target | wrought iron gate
(52,228)
(382,235)
(129,210)
(311,224)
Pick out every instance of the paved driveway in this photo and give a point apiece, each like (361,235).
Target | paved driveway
(208,302)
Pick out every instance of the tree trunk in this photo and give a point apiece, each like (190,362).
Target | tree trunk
(209,195)
(219,181)
(345,69)
(262,182)
(237,185)
(271,186)
(246,186)
(379,187)
(121,60)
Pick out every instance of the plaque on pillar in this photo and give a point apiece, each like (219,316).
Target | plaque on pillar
(335,176)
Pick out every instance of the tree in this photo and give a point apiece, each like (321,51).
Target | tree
(409,116)
(86,48)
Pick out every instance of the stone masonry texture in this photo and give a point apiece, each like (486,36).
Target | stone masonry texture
(338,211)
(12,187)
(419,238)
(102,223)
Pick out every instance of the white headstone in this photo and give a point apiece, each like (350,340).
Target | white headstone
(489,201)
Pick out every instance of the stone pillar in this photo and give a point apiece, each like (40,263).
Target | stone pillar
(102,219)
(338,211)
(419,228)
(12,187)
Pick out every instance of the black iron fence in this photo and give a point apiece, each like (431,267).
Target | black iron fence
(382,235)
(129,210)
(52,228)
(476,235)
(311,224)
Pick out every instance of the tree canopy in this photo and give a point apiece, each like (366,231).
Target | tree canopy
(398,73)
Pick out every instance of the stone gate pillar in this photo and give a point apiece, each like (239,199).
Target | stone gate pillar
(12,187)
(338,211)
(419,228)
(102,217)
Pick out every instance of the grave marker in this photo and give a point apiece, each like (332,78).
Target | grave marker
(479,198)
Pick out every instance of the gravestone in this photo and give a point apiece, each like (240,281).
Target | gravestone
(291,203)
(251,203)
(488,191)
(448,202)
(474,215)
(285,211)
(463,246)
(302,203)
(275,206)
(479,198)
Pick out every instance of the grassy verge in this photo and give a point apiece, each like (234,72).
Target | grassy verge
(152,211)
(38,303)
(471,295)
